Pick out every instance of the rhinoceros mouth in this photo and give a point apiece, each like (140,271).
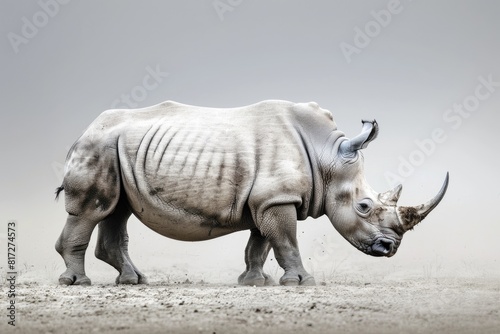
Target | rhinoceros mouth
(381,246)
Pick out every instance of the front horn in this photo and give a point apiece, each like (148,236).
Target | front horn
(412,215)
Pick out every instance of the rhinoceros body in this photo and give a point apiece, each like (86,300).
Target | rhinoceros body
(194,173)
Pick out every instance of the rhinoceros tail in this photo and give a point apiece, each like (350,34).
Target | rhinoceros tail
(58,190)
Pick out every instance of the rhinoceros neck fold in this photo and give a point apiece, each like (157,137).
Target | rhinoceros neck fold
(320,147)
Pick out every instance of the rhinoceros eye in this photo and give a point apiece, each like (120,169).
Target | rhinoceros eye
(364,207)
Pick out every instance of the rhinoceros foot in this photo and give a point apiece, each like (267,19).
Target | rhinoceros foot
(256,278)
(70,278)
(289,280)
(131,278)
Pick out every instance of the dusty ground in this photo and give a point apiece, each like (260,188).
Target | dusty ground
(347,305)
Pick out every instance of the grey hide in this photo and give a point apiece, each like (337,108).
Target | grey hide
(195,173)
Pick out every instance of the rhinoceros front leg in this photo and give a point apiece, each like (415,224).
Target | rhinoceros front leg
(279,225)
(256,252)
(112,246)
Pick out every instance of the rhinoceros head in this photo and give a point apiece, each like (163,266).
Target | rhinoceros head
(370,221)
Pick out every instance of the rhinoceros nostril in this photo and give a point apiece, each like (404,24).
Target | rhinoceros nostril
(387,245)
(382,247)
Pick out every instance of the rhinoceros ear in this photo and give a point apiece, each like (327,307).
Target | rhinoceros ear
(368,133)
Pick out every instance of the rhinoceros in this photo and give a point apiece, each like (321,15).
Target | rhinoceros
(195,173)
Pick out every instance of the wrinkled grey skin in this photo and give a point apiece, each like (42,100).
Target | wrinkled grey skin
(193,173)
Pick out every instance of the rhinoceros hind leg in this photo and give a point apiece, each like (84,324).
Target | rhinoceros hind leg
(112,246)
(72,245)
(256,252)
(279,224)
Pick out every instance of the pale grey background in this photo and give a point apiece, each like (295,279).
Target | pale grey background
(426,59)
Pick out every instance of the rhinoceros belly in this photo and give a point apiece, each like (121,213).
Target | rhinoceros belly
(190,183)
